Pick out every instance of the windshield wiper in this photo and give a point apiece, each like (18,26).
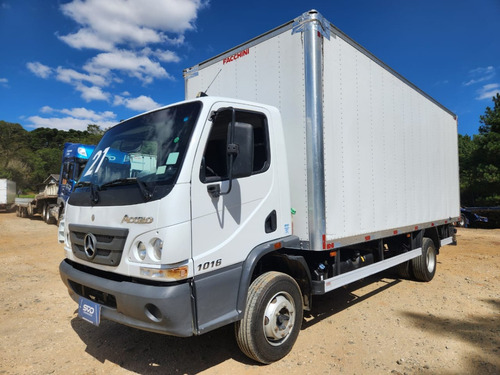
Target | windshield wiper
(93,190)
(82,184)
(131,180)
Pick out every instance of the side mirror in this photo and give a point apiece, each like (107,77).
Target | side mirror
(240,146)
(244,142)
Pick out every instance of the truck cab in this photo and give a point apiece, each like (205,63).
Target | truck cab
(168,210)
(75,157)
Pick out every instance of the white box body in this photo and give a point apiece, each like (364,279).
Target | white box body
(390,151)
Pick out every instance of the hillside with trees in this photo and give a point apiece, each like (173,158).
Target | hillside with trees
(28,157)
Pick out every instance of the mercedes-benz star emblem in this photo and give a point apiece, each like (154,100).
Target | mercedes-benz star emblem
(89,245)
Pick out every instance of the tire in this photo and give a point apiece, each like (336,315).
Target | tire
(424,266)
(462,222)
(272,319)
(44,212)
(61,217)
(47,218)
(403,270)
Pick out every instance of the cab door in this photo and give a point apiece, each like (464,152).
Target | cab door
(226,228)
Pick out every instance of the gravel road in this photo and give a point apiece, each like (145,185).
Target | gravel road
(381,325)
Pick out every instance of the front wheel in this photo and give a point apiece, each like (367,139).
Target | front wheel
(272,318)
(424,266)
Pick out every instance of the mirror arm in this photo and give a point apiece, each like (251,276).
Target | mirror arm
(232,151)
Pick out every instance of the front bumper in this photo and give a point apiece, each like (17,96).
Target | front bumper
(162,309)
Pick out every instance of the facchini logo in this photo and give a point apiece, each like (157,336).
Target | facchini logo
(236,56)
(137,220)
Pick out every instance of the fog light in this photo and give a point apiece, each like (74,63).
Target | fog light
(141,250)
(153,313)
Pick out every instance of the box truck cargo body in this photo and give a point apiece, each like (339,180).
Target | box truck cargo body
(304,164)
(388,152)
(7,194)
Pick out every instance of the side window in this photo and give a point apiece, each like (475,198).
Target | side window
(214,163)
(71,171)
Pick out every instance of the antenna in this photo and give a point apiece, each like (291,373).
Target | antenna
(213,80)
(204,93)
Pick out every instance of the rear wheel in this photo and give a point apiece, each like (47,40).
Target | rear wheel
(272,318)
(44,212)
(462,222)
(403,270)
(424,266)
(46,216)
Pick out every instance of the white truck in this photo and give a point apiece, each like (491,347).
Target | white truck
(7,194)
(307,164)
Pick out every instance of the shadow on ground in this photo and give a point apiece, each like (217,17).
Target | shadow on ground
(150,353)
(482,332)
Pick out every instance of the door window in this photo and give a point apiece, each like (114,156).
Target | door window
(214,163)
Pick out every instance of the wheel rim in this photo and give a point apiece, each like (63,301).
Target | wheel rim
(279,318)
(430,260)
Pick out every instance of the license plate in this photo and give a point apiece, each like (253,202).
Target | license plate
(90,311)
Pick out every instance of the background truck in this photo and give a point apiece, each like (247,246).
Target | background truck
(309,165)
(7,194)
(53,194)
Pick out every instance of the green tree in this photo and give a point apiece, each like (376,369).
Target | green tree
(466,148)
(13,152)
(484,160)
(29,157)
(93,134)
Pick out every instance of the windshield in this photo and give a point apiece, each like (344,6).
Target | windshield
(144,153)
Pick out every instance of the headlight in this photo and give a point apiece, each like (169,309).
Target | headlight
(149,251)
(141,250)
(156,248)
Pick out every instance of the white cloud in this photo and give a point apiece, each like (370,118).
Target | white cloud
(74,118)
(64,123)
(40,70)
(131,63)
(109,23)
(92,93)
(165,56)
(480,75)
(4,82)
(85,38)
(488,91)
(141,104)
(72,76)
(85,113)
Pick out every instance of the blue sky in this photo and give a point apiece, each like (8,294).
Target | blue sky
(66,64)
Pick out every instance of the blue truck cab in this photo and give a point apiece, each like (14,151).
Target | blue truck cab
(75,157)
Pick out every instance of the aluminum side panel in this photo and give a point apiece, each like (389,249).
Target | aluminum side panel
(391,154)
(272,73)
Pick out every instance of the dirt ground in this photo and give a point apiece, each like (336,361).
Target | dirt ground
(381,325)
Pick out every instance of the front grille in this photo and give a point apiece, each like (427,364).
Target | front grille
(101,298)
(109,243)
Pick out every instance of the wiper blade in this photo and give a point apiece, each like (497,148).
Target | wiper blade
(93,193)
(144,190)
(82,184)
(119,181)
(131,180)
(94,196)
